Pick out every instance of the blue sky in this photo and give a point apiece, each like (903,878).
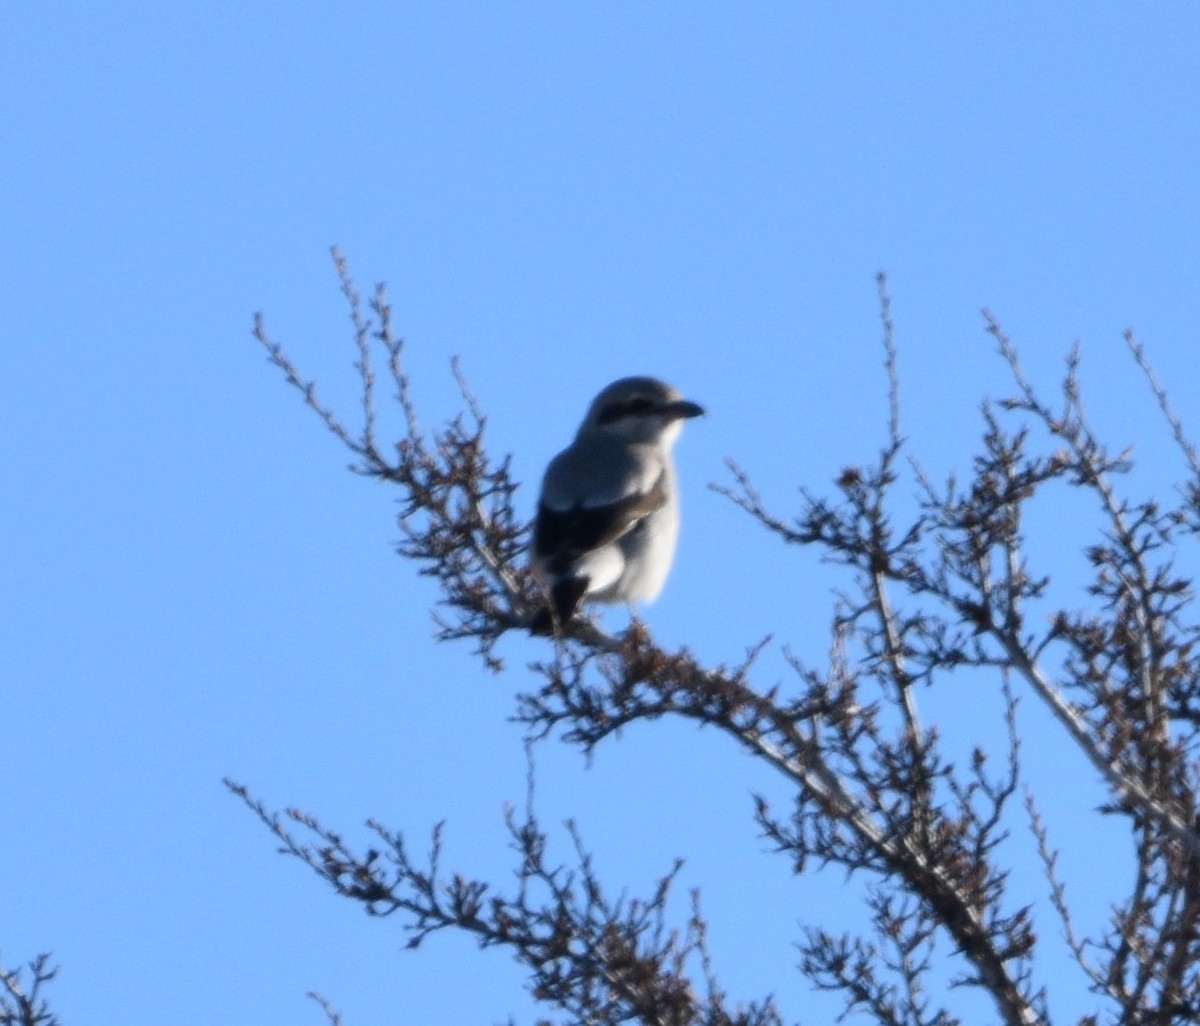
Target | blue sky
(559,194)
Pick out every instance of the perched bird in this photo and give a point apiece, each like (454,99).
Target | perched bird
(608,517)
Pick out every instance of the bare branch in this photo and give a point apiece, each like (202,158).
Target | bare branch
(21,1000)
(594,958)
(331,1013)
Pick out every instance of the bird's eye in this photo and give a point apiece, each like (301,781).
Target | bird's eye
(629,408)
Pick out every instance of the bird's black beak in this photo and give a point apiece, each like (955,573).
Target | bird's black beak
(681,409)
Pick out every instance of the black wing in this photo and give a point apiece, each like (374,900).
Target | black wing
(561,536)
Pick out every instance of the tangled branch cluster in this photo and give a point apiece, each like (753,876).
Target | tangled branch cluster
(951,587)
(21,1000)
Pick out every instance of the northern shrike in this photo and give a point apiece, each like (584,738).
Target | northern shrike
(608,517)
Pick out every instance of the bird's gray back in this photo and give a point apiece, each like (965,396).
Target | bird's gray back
(599,471)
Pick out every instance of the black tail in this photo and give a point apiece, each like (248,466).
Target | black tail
(566,594)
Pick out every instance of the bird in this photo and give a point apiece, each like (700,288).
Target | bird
(608,515)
